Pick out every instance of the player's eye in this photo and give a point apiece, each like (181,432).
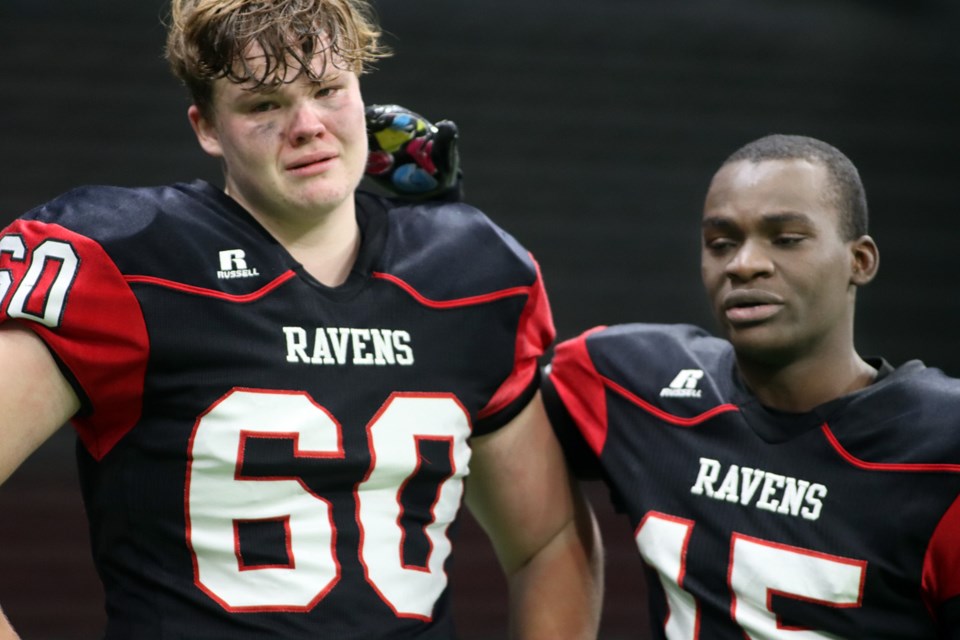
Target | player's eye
(326,91)
(263,106)
(718,244)
(788,240)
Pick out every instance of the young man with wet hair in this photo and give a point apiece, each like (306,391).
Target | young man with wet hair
(280,386)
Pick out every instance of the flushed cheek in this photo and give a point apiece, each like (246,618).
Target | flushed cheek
(260,138)
(265,130)
(350,124)
(256,145)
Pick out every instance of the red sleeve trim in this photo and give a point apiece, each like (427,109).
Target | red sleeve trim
(458,302)
(99,335)
(211,293)
(669,417)
(941,564)
(582,389)
(535,332)
(913,467)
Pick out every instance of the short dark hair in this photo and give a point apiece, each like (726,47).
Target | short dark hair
(847,191)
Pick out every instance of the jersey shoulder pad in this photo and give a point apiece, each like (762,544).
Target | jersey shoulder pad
(621,351)
(110,213)
(187,234)
(452,250)
(910,417)
(677,371)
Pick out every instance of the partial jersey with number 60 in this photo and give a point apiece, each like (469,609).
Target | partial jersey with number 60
(264,456)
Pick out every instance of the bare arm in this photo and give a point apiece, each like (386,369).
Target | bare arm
(35,400)
(542,529)
(6,631)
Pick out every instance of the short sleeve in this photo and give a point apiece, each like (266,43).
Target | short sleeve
(535,333)
(64,287)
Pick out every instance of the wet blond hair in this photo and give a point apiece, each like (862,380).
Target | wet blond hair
(211,39)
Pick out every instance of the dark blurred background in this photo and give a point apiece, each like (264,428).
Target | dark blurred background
(590,131)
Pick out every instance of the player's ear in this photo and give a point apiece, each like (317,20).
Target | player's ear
(206,132)
(866,260)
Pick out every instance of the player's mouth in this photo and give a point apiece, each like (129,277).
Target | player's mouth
(750,306)
(312,164)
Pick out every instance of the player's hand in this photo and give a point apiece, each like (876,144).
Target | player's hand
(411,157)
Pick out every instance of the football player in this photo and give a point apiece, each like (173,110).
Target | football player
(779,484)
(281,385)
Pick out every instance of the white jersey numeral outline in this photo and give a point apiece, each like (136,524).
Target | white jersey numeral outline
(218,497)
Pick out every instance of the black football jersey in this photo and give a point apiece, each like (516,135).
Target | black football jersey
(839,523)
(262,456)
